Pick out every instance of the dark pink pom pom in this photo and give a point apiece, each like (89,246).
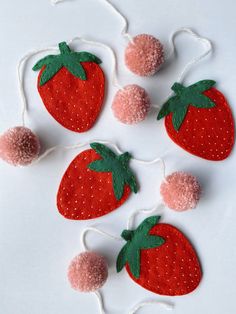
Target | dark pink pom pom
(19,146)
(181,191)
(88,272)
(144,55)
(131,104)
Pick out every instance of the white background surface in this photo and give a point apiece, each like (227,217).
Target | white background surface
(36,243)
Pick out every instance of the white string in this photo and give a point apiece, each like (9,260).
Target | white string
(194,61)
(20,72)
(124,31)
(100,301)
(203,40)
(166,305)
(113,145)
(104,233)
(157,208)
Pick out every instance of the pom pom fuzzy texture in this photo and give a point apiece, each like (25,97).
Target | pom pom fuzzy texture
(72,87)
(199,119)
(144,55)
(88,272)
(131,104)
(96,182)
(181,191)
(19,146)
(171,267)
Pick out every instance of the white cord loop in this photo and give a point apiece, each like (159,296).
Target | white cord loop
(189,65)
(167,305)
(94,229)
(124,31)
(158,209)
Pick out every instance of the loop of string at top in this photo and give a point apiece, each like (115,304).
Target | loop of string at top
(205,41)
(124,31)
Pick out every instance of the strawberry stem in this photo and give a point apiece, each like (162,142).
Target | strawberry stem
(178,88)
(127,235)
(138,240)
(64,48)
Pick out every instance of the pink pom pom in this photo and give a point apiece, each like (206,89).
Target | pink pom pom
(144,55)
(181,191)
(88,272)
(131,104)
(19,146)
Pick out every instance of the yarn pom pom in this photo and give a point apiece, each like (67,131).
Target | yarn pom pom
(181,191)
(131,104)
(144,55)
(19,146)
(88,272)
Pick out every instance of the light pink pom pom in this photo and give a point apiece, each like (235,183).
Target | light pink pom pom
(181,191)
(19,146)
(131,104)
(88,272)
(144,55)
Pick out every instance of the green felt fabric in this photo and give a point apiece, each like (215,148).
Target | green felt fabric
(68,59)
(185,96)
(118,165)
(138,240)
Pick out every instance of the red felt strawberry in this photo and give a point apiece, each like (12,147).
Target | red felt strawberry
(199,119)
(96,182)
(159,258)
(71,86)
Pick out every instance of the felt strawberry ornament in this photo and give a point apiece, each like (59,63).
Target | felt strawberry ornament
(71,86)
(96,182)
(199,119)
(159,258)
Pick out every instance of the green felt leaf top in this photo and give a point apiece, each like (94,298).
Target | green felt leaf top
(183,98)
(69,59)
(138,240)
(118,165)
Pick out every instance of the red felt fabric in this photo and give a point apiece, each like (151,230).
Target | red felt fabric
(72,102)
(172,268)
(87,194)
(207,133)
